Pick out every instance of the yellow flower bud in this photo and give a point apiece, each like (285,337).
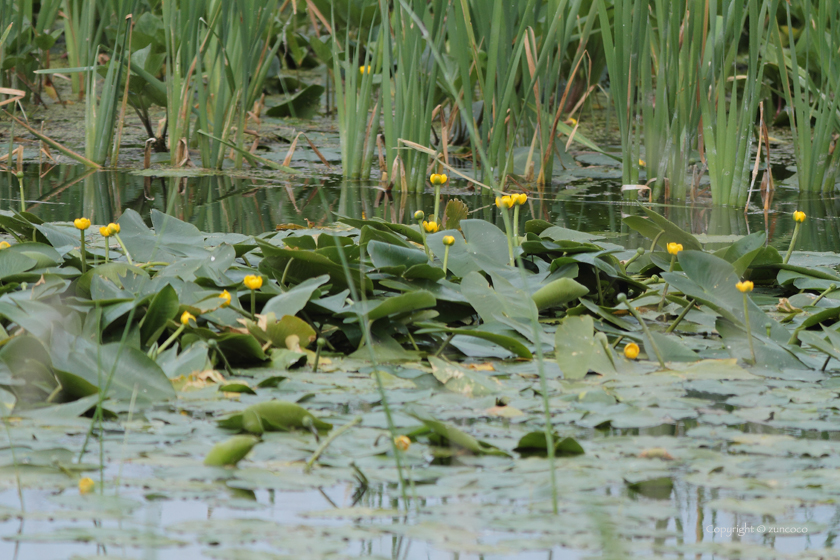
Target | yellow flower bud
(86,485)
(81,223)
(799,216)
(105,231)
(438,179)
(402,443)
(448,240)
(745,286)
(253,282)
(631,351)
(520,199)
(364,69)
(419,215)
(186,316)
(4,245)
(225,297)
(114,228)
(430,227)
(674,248)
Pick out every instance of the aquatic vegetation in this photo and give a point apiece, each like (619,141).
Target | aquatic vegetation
(231,337)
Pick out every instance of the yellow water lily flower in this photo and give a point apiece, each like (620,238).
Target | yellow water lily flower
(631,351)
(81,223)
(86,485)
(520,198)
(186,316)
(674,248)
(402,443)
(253,282)
(364,69)
(448,240)
(504,201)
(114,228)
(430,227)
(105,231)
(745,286)
(438,179)
(4,245)
(225,297)
(799,216)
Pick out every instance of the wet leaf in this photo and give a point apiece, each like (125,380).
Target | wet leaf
(231,451)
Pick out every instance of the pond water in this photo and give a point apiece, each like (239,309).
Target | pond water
(705,470)
(256,204)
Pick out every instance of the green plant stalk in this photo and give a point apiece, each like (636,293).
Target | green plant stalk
(318,349)
(425,245)
(169,340)
(107,249)
(792,242)
(131,404)
(445,258)
(548,427)
(641,321)
(22,195)
(326,443)
(665,289)
(125,251)
(680,317)
(639,252)
(824,293)
(516,225)
(508,233)
(598,286)
(15,464)
(254,305)
(83,252)
(747,324)
(98,413)
(437,216)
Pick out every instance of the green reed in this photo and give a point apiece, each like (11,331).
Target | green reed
(413,81)
(670,72)
(184,26)
(810,75)
(625,36)
(730,95)
(354,67)
(235,59)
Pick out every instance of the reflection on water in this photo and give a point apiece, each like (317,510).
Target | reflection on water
(222,203)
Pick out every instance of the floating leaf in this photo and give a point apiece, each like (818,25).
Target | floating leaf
(230,452)
(273,416)
(535,442)
(455,437)
(575,345)
(558,292)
